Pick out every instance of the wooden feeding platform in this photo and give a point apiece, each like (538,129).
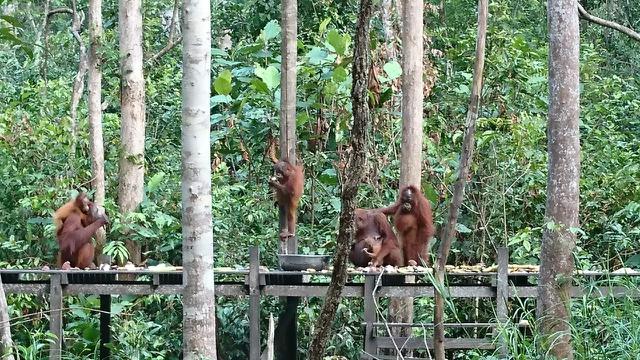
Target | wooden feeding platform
(499,282)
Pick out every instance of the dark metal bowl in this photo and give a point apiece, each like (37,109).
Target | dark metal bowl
(296,262)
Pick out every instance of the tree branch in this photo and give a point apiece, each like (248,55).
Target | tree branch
(59,11)
(466,156)
(170,45)
(172,41)
(610,24)
(83,67)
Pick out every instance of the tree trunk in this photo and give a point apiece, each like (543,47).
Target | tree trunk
(95,112)
(199,331)
(386,10)
(401,309)
(288,103)
(78,82)
(354,176)
(131,176)
(563,146)
(6,344)
(412,84)
(466,156)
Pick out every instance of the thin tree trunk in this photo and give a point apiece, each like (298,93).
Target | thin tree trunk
(412,84)
(354,176)
(401,309)
(288,103)
(466,156)
(78,83)
(132,132)
(386,10)
(45,44)
(563,146)
(95,112)
(6,344)
(199,330)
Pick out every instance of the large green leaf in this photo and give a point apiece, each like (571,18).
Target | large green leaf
(392,69)
(271,30)
(222,85)
(317,55)
(11,20)
(338,41)
(270,76)
(339,74)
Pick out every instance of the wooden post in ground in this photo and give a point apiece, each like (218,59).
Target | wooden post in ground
(369,316)
(254,303)
(502,296)
(105,330)
(55,317)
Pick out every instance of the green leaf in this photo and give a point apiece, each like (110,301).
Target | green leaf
(393,70)
(430,193)
(323,25)
(271,30)
(11,20)
(260,86)
(270,76)
(220,99)
(222,85)
(461,228)
(339,74)
(386,95)
(6,34)
(338,41)
(329,177)
(155,181)
(317,55)
(633,261)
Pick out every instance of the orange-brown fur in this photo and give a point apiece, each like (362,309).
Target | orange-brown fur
(375,238)
(74,238)
(78,206)
(413,220)
(288,183)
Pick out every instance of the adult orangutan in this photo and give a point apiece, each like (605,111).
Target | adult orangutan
(78,206)
(413,220)
(74,238)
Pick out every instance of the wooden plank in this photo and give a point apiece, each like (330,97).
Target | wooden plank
(430,325)
(395,357)
(502,296)
(105,329)
(594,292)
(55,317)
(449,343)
(231,290)
(523,291)
(254,304)
(122,289)
(427,291)
(309,290)
(369,316)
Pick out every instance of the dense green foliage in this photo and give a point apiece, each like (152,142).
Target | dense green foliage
(505,197)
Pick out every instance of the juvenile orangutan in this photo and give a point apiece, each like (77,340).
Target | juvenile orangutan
(288,183)
(375,238)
